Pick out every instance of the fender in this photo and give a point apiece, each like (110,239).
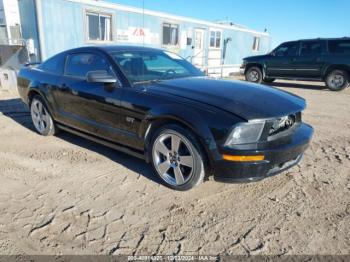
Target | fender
(329,67)
(261,65)
(187,117)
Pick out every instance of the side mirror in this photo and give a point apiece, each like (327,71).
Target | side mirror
(102,77)
(273,53)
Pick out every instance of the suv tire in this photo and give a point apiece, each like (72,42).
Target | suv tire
(337,80)
(254,75)
(177,157)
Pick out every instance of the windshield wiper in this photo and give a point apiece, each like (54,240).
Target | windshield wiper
(148,81)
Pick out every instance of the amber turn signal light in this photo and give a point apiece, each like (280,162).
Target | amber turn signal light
(244,158)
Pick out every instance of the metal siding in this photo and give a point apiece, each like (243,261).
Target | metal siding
(68,17)
(62,26)
(242,46)
(29,22)
(124,20)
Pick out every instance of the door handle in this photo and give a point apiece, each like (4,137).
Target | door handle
(293,59)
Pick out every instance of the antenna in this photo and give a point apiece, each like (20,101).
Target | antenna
(143,22)
(143,35)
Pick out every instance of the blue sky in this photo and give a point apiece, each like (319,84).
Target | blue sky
(284,19)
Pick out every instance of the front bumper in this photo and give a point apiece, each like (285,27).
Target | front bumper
(242,70)
(278,158)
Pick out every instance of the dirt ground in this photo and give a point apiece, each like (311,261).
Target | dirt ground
(67,195)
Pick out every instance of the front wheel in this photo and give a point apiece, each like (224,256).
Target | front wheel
(254,74)
(177,158)
(337,80)
(41,117)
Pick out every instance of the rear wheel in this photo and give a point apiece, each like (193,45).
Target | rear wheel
(254,75)
(337,80)
(41,117)
(177,158)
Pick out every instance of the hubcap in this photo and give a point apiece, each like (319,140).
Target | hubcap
(336,81)
(40,116)
(173,158)
(253,76)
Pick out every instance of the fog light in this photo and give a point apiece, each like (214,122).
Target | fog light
(243,158)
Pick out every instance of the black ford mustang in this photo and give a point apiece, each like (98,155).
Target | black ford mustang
(155,105)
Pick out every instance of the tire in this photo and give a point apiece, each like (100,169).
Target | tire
(177,157)
(41,117)
(269,80)
(254,75)
(337,80)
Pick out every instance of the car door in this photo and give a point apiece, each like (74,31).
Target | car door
(90,107)
(281,62)
(311,60)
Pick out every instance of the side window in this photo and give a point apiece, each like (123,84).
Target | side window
(80,64)
(54,65)
(287,49)
(311,48)
(339,46)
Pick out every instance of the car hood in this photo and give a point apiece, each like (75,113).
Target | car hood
(256,57)
(246,100)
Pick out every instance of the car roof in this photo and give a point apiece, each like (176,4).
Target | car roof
(319,39)
(326,39)
(112,48)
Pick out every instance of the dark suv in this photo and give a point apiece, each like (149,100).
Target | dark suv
(325,60)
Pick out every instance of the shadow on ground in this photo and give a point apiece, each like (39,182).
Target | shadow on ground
(311,86)
(136,165)
(17,111)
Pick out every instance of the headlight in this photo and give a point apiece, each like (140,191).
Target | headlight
(245,133)
(284,123)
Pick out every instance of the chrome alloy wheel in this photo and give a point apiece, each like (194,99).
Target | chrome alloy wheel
(336,81)
(253,76)
(41,118)
(173,158)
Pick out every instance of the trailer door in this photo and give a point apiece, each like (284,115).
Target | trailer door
(199,54)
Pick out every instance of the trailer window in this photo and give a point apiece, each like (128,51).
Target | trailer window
(170,34)
(99,27)
(215,39)
(256,43)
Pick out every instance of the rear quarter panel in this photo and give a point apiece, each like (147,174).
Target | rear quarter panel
(24,78)
(34,80)
(336,60)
